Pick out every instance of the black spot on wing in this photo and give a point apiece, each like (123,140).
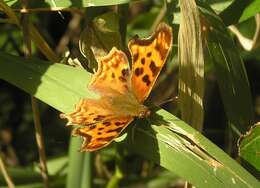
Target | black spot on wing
(99,118)
(106,123)
(125,72)
(113,75)
(122,79)
(154,68)
(143,61)
(139,71)
(92,126)
(115,130)
(157,46)
(146,80)
(106,139)
(119,123)
(135,57)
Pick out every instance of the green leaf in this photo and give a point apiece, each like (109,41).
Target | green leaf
(176,146)
(80,167)
(249,146)
(229,69)
(98,38)
(166,139)
(27,76)
(240,11)
(22,176)
(251,10)
(30,176)
(191,65)
(58,4)
(233,12)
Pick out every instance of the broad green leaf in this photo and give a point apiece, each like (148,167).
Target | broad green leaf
(27,76)
(239,11)
(98,38)
(229,69)
(249,146)
(62,4)
(177,147)
(165,139)
(251,10)
(233,12)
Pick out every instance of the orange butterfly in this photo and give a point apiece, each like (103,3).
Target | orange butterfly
(122,92)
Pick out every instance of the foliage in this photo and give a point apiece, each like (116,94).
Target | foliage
(230,95)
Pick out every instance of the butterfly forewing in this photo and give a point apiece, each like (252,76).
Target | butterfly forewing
(113,74)
(148,58)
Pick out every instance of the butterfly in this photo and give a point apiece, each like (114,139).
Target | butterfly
(122,91)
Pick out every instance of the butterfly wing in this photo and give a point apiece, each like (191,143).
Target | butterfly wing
(89,112)
(101,134)
(148,57)
(99,125)
(104,119)
(113,74)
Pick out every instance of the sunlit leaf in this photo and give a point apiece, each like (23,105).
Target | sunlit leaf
(251,10)
(249,146)
(58,4)
(164,139)
(191,65)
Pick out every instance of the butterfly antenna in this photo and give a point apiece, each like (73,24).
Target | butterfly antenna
(164,102)
(133,134)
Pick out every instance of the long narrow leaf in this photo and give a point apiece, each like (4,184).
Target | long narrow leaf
(165,139)
(229,69)
(75,169)
(191,65)
(58,4)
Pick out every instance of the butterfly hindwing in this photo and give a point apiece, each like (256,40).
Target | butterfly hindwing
(101,134)
(148,58)
(88,112)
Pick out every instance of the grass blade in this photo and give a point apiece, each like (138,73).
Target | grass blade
(166,139)
(229,69)
(58,5)
(75,167)
(191,66)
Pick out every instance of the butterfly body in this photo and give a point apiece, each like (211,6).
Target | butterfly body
(122,90)
(127,105)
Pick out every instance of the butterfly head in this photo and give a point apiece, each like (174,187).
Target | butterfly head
(145,112)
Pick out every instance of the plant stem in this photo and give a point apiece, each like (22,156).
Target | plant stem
(5,174)
(36,114)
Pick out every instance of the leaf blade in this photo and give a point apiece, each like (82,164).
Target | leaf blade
(176,129)
(229,68)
